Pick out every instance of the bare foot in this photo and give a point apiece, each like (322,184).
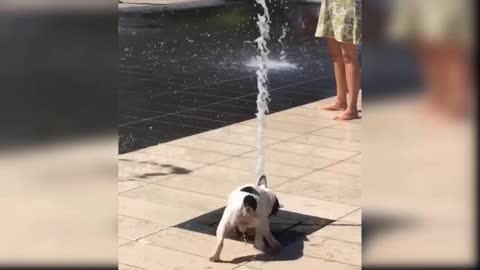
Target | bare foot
(347,115)
(337,106)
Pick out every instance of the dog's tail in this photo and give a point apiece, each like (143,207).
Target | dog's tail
(262,181)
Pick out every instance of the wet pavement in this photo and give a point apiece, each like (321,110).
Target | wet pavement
(186,71)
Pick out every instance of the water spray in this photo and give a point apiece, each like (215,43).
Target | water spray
(263,96)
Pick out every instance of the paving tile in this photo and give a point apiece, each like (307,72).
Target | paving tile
(215,187)
(330,249)
(294,159)
(332,178)
(317,105)
(352,126)
(128,267)
(328,142)
(271,168)
(159,258)
(339,133)
(305,120)
(186,99)
(139,113)
(128,184)
(217,181)
(355,217)
(248,102)
(145,157)
(271,133)
(133,138)
(346,168)
(356,159)
(162,214)
(132,228)
(219,92)
(246,267)
(292,257)
(220,116)
(222,135)
(296,91)
(123,241)
(230,108)
(342,231)
(221,173)
(300,111)
(191,121)
(147,167)
(357,121)
(164,131)
(198,243)
(314,207)
(328,192)
(213,146)
(291,97)
(285,126)
(122,120)
(183,153)
(176,197)
(310,150)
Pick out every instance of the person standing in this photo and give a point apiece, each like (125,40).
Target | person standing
(340,23)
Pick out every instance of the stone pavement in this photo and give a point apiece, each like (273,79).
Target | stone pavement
(313,164)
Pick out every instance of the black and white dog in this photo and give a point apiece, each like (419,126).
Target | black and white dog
(249,206)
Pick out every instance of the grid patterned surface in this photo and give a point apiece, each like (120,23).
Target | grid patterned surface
(183,72)
(312,165)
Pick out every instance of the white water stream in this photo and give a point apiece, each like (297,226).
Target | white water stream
(262,84)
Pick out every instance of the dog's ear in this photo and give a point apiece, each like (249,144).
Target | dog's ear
(275,207)
(262,181)
(250,201)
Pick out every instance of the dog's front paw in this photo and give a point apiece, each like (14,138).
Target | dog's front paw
(215,258)
(259,245)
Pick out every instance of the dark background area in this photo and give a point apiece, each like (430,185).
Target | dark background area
(184,71)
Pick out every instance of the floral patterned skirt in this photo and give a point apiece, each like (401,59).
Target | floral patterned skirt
(341,20)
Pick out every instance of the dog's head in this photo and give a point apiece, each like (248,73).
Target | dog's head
(250,204)
(275,204)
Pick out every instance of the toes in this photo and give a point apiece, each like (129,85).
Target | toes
(214,259)
(346,116)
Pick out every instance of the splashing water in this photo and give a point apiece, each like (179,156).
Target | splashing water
(262,84)
(283,53)
(273,64)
